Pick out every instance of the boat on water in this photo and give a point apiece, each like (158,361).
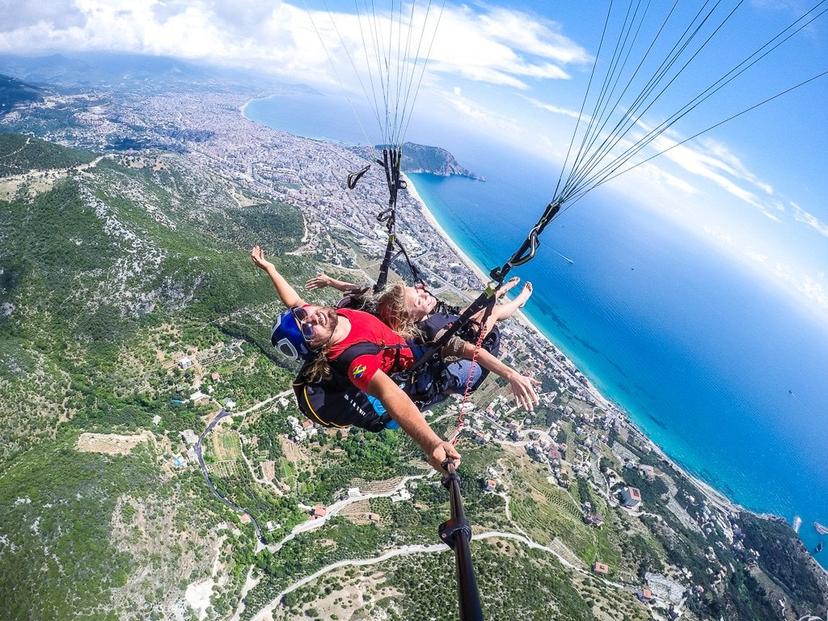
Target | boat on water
(822,530)
(819,547)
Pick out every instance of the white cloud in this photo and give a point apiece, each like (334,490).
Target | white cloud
(714,162)
(557,109)
(811,287)
(815,290)
(533,35)
(481,114)
(718,234)
(723,159)
(800,215)
(494,45)
(756,256)
(479,74)
(503,47)
(18,14)
(707,158)
(660,176)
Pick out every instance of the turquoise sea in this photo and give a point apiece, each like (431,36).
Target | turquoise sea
(722,371)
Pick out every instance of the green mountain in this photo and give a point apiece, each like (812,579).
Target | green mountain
(131,72)
(433,160)
(101,270)
(94,261)
(420,158)
(20,154)
(14,92)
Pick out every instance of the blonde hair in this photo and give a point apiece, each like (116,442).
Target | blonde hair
(319,370)
(390,305)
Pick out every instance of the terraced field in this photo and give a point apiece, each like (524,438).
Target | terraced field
(546,512)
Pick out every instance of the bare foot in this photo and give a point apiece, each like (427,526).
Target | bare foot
(507,285)
(524,295)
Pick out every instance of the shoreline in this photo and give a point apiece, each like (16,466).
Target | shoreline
(519,314)
(713,495)
(438,228)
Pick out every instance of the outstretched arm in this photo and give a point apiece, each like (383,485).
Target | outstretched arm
(286,293)
(522,386)
(403,410)
(322,280)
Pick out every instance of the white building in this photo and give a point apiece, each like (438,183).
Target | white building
(189,437)
(630,497)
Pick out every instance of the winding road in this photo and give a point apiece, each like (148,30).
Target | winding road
(436,548)
(216,420)
(338,506)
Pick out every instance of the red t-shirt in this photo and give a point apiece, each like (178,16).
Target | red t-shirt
(365,328)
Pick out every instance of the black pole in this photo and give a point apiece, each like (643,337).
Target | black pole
(456,533)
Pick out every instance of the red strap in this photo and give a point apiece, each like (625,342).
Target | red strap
(461,417)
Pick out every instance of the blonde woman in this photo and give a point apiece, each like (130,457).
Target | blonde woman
(416,314)
(400,305)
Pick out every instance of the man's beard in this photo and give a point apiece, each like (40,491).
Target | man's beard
(331,324)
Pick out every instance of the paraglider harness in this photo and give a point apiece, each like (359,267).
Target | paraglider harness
(336,402)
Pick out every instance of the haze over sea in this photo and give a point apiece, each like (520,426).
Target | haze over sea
(722,370)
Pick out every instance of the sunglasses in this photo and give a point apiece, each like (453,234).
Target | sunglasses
(301,317)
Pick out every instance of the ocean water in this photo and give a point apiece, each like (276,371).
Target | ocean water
(723,372)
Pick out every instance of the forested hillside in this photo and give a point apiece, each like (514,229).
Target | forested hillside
(105,273)
(14,91)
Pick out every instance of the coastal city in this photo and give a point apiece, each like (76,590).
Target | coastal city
(577,456)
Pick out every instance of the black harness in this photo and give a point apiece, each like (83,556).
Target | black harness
(336,402)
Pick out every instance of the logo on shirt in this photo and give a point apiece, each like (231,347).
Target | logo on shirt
(358,371)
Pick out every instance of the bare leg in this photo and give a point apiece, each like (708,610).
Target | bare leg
(506,286)
(507,309)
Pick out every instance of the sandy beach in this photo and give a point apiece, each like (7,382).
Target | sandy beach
(432,221)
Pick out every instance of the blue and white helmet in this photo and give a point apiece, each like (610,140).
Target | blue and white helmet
(287,338)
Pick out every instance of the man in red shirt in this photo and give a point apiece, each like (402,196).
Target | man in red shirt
(332,330)
(394,356)
(328,331)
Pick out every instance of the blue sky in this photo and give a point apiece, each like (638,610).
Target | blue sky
(755,189)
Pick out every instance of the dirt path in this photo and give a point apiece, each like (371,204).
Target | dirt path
(110,443)
(338,506)
(265,613)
